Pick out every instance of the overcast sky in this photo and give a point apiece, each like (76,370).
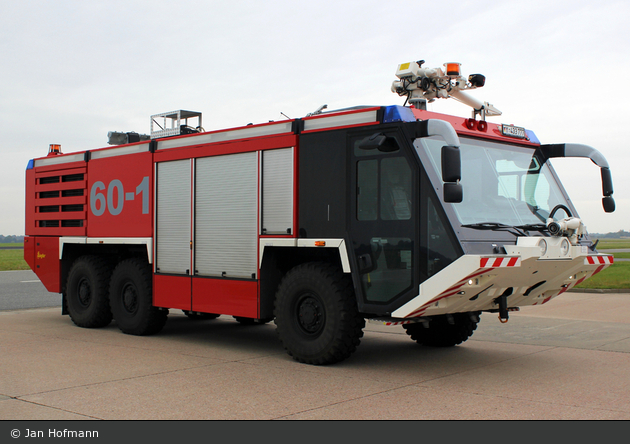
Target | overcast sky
(73,70)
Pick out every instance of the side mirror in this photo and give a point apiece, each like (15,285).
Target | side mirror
(451,164)
(453,192)
(452,174)
(607,189)
(609,204)
(607,186)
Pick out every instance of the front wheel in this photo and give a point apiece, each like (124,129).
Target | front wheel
(131,299)
(316,314)
(444,330)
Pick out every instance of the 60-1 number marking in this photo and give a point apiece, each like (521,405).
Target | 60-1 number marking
(99,203)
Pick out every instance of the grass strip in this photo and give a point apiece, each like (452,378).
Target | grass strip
(616,277)
(12,260)
(609,244)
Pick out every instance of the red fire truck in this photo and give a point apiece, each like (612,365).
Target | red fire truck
(392,214)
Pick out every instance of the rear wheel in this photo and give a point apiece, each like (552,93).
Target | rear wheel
(131,299)
(316,314)
(444,330)
(87,292)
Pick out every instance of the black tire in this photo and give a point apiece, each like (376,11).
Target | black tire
(87,292)
(252,321)
(196,316)
(316,314)
(441,333)
(131,299)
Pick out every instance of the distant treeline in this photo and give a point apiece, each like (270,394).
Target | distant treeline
(11,239)
(618,235)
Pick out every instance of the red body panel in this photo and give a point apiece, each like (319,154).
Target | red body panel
(47,263)
(459,123)
(221,296)
(172,291)
(29,251)
(120,196)
(224,296)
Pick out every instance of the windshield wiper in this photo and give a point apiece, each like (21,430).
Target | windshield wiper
(495,226)
(533,227)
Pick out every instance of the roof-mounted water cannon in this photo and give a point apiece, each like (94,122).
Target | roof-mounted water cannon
(421,85)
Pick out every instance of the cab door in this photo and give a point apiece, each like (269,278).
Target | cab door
(383,220)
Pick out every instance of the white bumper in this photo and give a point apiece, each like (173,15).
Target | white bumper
(473,282)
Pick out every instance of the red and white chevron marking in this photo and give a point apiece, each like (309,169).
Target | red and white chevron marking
(598,260)
(446,293)
(500,262)
(398,323)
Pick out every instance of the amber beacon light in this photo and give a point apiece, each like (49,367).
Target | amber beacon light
(54,149)
(453,69)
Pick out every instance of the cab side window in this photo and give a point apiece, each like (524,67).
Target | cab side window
(384,189)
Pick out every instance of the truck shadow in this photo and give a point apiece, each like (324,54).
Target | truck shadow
(377,351)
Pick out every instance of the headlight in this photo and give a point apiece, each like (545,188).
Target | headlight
(564,247)
(542,244)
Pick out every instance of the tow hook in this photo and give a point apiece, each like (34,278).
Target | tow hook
(503,311)
(503,307)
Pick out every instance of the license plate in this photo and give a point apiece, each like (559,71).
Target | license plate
(513,131)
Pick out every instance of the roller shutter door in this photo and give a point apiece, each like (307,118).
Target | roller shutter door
(173,217)
(277,191)
(226,198)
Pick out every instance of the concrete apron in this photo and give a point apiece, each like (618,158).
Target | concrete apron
(567,359)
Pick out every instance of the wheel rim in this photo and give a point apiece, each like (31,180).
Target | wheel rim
(84,292)
(130,298)
(311,316)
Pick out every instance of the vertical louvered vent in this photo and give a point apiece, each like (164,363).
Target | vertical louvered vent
(60,202)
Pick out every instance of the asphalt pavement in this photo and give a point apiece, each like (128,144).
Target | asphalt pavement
(22,289)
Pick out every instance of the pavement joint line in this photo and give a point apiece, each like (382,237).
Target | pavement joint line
(313,409)
(536,401)
(416,384)
(610,343)
(129,378)
(597,349)
(55,408)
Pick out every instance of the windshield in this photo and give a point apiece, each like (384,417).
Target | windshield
(502,183)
